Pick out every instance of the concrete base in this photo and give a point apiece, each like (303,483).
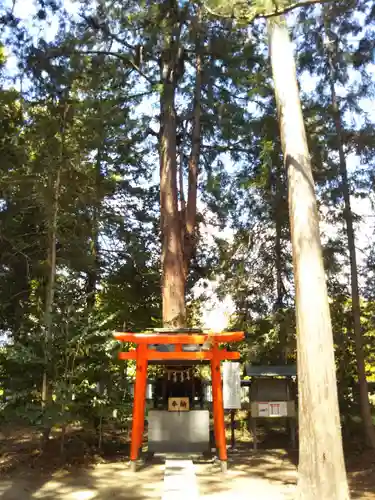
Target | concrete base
(133,465)
(173,432)
(224,466)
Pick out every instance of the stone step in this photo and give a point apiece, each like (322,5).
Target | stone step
(180,480)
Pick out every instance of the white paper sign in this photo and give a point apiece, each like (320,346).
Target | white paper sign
(232,386)
(208,393)
(278,409)
(263,409)
(273,409)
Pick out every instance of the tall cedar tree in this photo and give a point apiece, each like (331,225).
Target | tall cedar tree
(334,59)
(322,474)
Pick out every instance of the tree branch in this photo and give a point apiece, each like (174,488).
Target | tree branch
(96,25)
(52,53)
(259,15)
(293,6)
(123,58)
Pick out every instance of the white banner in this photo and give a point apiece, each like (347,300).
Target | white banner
(263,410)
(278,408)
(272,409)
(232,386)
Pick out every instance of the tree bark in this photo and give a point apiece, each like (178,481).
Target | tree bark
(191,209)
(321,473)
(173,275)
(365,406)
(177,226)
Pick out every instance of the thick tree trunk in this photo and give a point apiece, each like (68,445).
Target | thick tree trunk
(369,428)
(177,227)
(321,474)
(173,273)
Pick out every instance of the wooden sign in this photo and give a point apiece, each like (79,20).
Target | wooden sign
(178,404)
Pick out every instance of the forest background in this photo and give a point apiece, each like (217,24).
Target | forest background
(79,182)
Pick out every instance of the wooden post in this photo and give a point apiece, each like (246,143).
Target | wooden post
(139,403)
(293,433)
(232,429)
(218,407)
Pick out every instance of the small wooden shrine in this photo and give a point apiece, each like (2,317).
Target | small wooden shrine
(273,395)
(175,406)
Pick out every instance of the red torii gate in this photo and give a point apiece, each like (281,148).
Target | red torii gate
(143,354)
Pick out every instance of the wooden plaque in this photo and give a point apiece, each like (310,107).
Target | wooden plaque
(178,404)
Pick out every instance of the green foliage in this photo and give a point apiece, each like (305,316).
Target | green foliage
(247,12)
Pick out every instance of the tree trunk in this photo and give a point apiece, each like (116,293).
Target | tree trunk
(93,272)
(177,227)
(279,302)
(50,293)
(356,308)
(173,275)
(276,197)
(321,474)
(278,265)
(191,210)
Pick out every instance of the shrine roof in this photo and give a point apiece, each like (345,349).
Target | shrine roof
(177,337)
(270,370)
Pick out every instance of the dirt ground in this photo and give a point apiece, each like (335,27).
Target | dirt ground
(83,474)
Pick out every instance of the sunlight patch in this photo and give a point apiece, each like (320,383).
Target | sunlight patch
(83,495)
